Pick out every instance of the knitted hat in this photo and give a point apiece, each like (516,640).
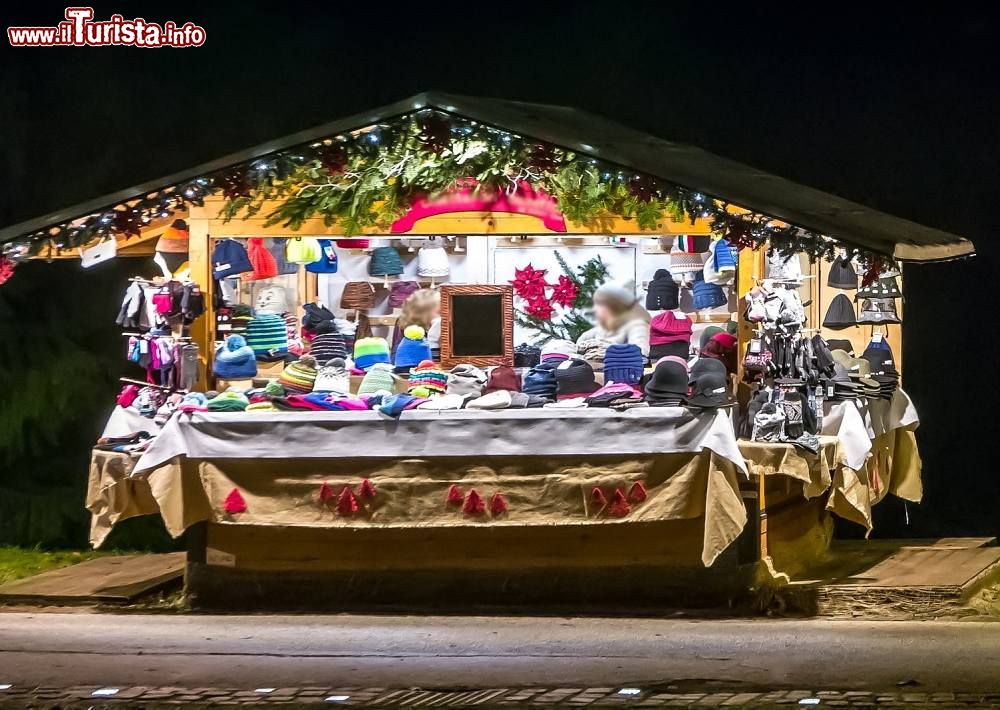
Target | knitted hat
(557,350)
(668,328)
(271,299)
(277,249)
(334,378)
(669,382)
(623,362)
(466,381)
(378,379)
(662,292)
(878,310)
(412,349)
(229,258)
(840,314)
(175,239)
(302,250)
(881,361)
(385,261)
(427,376)
(264,264)
(840,344)
(781,267)
(499,399)
(541,380)
(327,346)
(885,287)
(267,337)
(707,295)
(842,275)
(327,262)
(502,378)
(274,389)
(228,401)
(432,260)
(708,384)
(193,402)
(318,319)
(574,378)
(368,351)
(235,360)
(298,377)
(527,355)
(680,348)
(722,347)
(707,334)
(400,291)
(357,296)
(353,243)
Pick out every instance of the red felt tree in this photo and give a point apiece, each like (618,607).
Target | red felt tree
(455,496)
(498,504)
(619,505)
(347,504)
(367,490)
(234,503)
(637,493)
(474,503)
(326,493)
(597,499)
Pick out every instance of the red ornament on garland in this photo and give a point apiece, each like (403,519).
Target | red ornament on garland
(326,493)
(474,503)
(598,499)
(367,490)
(6,269)
(234,503)
(619,505)
(498,504)
(347,504)
(455,496)
(333,158)
(637,493)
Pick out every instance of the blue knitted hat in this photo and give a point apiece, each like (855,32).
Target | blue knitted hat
(541,380)
(623,362)
(385,261)
(707,295)
(235,360)
(412,349)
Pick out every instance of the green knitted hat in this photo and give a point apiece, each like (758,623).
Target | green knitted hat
(378,378)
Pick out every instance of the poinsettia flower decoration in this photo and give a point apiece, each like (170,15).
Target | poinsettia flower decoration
(540,307)
(564,291)
(529,282)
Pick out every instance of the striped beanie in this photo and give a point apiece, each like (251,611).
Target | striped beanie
(379,378)
(327,346)
(267,336)
(369,351)
(428,376)
(298,377)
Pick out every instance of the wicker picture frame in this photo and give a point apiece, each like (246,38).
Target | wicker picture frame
(449,358)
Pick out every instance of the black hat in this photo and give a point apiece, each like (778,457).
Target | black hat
(661,294)
(881,362)
(878,310)
(885,287)
(575,378)
(708,384)
(527,355)
(678,348)
(668,383)
(840,344)
(842,275)
(840,315)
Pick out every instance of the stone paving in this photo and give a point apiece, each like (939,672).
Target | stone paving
(111,698)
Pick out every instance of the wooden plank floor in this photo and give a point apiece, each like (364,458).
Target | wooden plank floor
(116,579)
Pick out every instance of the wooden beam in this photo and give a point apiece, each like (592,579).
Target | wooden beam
(200,262)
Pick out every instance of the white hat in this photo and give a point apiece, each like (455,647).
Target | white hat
(272,299)
(334,377)
(784,268)
(558,349)
(432,260)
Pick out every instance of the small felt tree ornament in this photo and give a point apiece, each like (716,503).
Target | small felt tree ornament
(367,490)
(326,493)
(347,503)
(234,503)
(498,505)
(598,501)
(474,503)
(637,493)
(619,504)
(455,495)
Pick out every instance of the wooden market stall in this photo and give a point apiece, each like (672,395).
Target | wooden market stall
(635,507)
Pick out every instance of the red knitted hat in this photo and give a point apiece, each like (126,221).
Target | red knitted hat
(668,328)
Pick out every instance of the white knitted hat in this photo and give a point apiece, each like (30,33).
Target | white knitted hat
(432,260)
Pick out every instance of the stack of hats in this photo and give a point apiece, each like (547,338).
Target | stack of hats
(333,378)
(614,394)
(720,268)
(541,380)
(722,347)
(842,275)
(427,379)
(883,369)
(504,378)
(668,385)
(378,379)
(687,257)
(267,336)
(878,301)
(412,349)
(298,377)
(707,295)
(370,351)
(669,335)
(327,346)
(557,350)
(623,362)
(859,370)
(708,384)
(235,360)
(432,260)
(466,381)
(841,386)
(840,314)
(662,292)
(385,261)
(527,355)
(574,378)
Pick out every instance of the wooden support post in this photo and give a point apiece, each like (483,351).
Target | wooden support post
(762,512)
(200,261)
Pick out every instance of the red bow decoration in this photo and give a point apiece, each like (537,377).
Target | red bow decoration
(474,504)
(234,503)
(619,505)
(498,504)
(325,493)
(637,493)
(367,490)
(597,499)
(455,496)
(347,504)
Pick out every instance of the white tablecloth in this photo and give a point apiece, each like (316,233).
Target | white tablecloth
(858,422)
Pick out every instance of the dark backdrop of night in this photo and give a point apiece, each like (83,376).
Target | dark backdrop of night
(893,108)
